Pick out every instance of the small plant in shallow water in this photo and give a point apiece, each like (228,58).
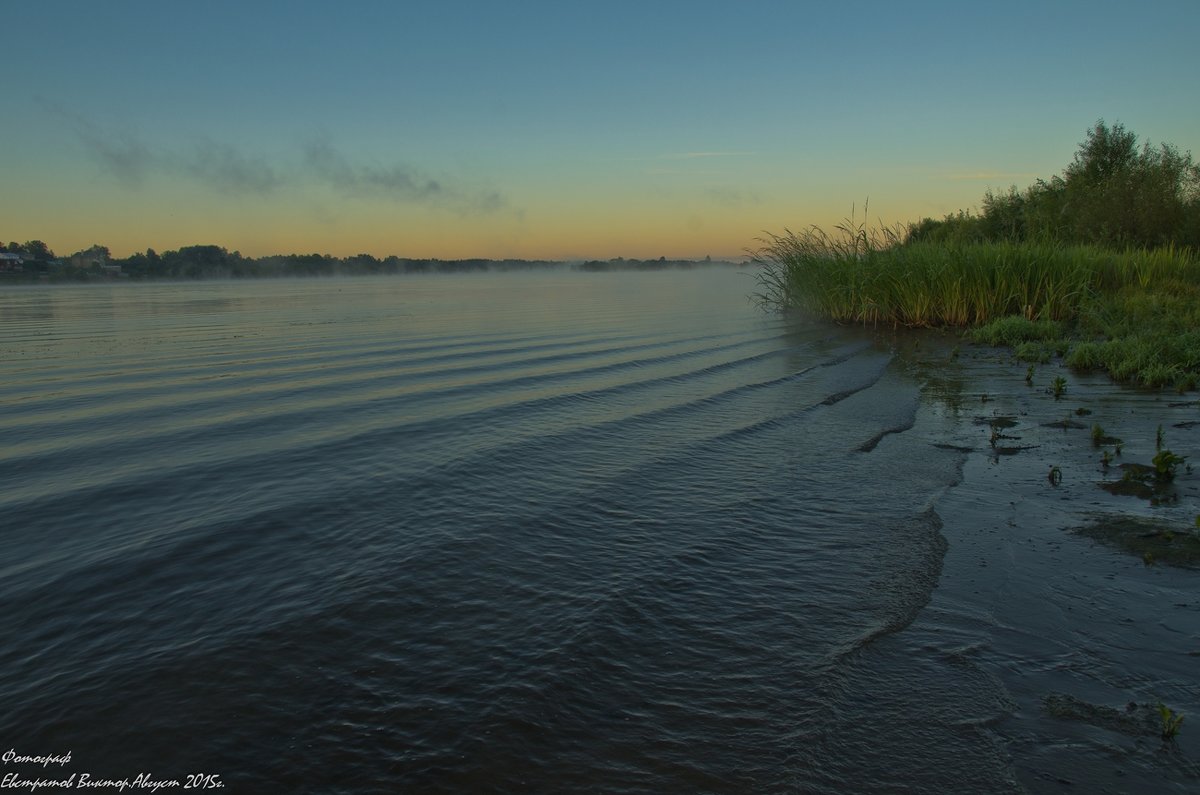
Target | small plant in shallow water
(1029,371)
(1171,721)
(1097,435)
(1158,438)
(1106,459)
(1055,476)
(1165,464)
(1058,387)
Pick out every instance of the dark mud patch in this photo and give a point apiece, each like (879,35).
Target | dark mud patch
(1143,482)
(838,397)
(874,441)
(1151,540)
(1066,425)
(1136,720)
(1002,421)
(999,450)
(958,448)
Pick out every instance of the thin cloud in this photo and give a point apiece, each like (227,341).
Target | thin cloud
(123,156)
(732,197)
(689,172)
(397,182)
(700,155)
(486,202)
(131,161)
(224,168)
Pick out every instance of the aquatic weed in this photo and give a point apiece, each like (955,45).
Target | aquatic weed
(1165,464)
(1171,721)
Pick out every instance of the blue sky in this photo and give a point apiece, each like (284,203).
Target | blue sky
(458,129)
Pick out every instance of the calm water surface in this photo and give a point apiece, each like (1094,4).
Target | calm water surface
(552,532)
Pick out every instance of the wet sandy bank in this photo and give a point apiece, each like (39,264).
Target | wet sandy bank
(1079,620)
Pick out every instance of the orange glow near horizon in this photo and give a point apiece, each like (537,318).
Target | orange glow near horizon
(602,223)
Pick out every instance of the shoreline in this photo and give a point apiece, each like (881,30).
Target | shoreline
(1050,615)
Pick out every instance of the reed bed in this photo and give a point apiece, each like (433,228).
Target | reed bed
(872,276)
(1133,313)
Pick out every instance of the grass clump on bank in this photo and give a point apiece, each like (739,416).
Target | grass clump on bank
(873,277)
(1144,333)
(1134,314)
(1076,267)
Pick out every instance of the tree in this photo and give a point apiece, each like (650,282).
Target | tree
(1112,193)
(1118,194)
(37,250)
(1105,154)
(1003,215)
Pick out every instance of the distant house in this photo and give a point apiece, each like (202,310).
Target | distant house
(11,262)
(94,257)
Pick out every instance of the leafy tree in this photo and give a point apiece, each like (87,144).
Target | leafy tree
(202,262)
(1105,155)
(36,249)
(1003,215)
(1045,210)
(1112,193)
(955,229)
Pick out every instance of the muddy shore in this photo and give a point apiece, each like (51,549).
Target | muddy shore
(1079,601)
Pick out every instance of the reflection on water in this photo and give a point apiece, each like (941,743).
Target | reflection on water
(20,306)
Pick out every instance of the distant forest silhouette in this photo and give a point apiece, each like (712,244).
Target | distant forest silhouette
(35,261)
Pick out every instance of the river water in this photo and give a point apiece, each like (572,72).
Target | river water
(521,532)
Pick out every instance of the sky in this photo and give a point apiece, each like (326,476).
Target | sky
(556,130)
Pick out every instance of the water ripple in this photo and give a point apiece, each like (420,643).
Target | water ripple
(443,535)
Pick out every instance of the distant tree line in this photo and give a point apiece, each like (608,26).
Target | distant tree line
(662,263)
(29,250)
(215,262)
(1114,193)
(39,263)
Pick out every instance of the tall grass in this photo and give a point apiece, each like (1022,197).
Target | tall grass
(1134,313)
(872,276)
